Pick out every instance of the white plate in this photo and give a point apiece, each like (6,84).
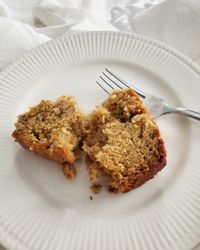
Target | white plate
(39,209)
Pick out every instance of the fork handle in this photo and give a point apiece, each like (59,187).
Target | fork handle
(186,112)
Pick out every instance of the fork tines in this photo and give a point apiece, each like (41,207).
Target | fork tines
(109,81)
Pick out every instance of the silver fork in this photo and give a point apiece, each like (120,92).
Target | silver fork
(109,81)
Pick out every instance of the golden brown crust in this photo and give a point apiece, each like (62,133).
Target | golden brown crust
(124,105)
(124,142)
(58,154)
(53,130)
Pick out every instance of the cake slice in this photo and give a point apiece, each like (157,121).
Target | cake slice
(123,143)
(53,130)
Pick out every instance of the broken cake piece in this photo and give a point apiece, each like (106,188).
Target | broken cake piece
(123,142)
(53,130)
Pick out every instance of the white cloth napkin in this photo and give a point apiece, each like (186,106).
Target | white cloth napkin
(175,22)
(51,19)
(26,24)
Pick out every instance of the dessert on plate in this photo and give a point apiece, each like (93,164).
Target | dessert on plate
(53,130)
(121,140)
(123,143)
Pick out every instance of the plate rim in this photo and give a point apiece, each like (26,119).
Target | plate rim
(8,240)
(169,49)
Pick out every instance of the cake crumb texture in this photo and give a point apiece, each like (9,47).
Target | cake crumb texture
(69,171)
(123,142)
(96,188)
(53,130)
